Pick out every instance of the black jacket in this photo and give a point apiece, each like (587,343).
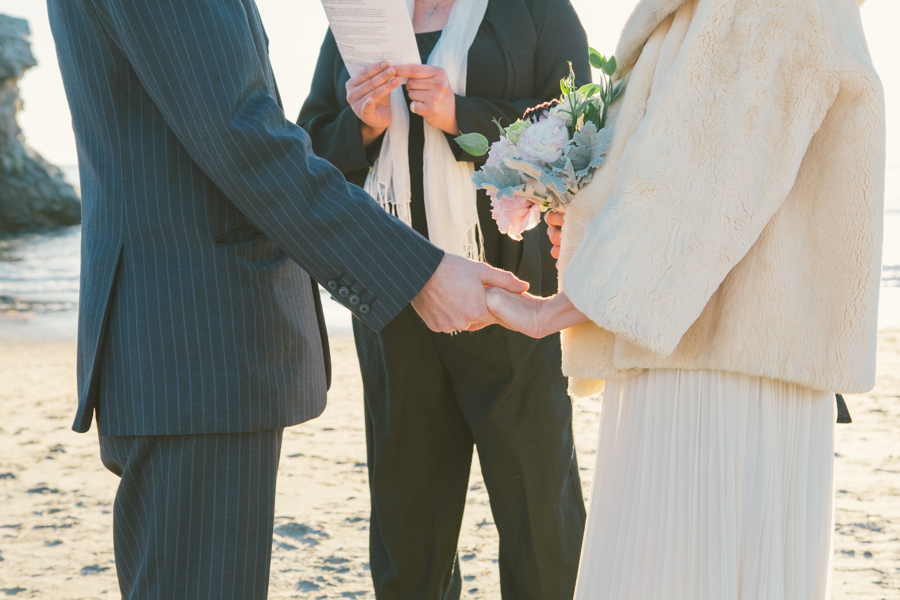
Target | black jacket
(520,53)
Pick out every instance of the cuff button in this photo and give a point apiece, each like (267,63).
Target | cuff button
(353,299)
(332,285)
(343,292)
(364,309)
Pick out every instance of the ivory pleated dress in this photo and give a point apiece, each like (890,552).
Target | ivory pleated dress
(710,486)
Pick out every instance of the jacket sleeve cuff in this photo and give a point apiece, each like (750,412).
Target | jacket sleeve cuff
(381,293)
(353,155)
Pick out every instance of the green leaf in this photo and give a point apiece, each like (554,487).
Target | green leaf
(617,90)
(610,67)
(592,115)
(595,58)
(589,90)
(514,131)
(496,122)
(473,143)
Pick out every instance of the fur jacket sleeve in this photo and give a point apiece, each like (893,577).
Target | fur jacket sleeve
(737,222)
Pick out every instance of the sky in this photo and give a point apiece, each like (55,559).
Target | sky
(296,29)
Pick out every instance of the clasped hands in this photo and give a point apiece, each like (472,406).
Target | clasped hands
(369,91)
(463,295)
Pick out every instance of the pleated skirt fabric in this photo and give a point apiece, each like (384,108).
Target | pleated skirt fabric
(710,486)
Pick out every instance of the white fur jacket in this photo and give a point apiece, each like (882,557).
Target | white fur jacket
(737,223)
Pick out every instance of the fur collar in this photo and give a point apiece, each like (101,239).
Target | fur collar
(647,16)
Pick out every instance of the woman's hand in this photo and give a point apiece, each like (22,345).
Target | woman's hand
(431,96)
(519,312)
(535,317)
(555,221)
(369,95)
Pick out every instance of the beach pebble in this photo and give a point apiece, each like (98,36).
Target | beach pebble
(93,569)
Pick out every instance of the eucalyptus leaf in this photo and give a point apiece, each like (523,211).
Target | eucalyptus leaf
(496,178)
(555,185)
(587,149)
(509,192)
(473,143)
(523,167)
(563,169)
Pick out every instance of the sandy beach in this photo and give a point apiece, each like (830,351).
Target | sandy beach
(56,497)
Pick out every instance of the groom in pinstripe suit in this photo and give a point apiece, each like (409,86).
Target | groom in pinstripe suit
(206,218)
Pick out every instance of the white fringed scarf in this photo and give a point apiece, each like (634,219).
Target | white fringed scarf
(450,206)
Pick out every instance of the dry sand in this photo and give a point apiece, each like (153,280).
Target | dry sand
(56,498)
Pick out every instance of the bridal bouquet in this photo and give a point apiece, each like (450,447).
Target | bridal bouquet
(541,161)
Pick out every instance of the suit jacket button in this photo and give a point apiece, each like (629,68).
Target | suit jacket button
(343,292)
(332,285)
(364,309)
(354,299)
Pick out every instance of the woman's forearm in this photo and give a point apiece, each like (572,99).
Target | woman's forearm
(559,313)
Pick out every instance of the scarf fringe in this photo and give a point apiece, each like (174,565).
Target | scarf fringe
(384,196)
(473,247)
(450,196)
(473,243)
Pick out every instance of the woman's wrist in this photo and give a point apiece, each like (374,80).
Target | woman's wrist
(369,133)
(451,127)
(559,313)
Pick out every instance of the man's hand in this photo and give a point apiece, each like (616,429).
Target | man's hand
(454,297)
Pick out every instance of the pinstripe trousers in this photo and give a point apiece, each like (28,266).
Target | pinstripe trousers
(193,514)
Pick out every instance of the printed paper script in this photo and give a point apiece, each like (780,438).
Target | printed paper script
(369,31)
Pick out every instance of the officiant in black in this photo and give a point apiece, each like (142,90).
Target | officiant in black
(429,396)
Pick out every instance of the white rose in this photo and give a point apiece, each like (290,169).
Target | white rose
(544,141)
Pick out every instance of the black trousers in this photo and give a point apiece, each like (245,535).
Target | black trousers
(193,514)
(428,398)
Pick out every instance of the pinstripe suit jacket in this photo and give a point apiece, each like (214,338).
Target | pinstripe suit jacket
(204,214)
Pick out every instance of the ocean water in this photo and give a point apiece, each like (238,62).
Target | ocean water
(39,278)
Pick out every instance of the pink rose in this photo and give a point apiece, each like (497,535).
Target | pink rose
(515,215)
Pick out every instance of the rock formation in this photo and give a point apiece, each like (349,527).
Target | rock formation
(33,193)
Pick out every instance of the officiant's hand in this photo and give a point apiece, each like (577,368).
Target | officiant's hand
(454,297)
(369,95)
(554,231)
(429,88)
